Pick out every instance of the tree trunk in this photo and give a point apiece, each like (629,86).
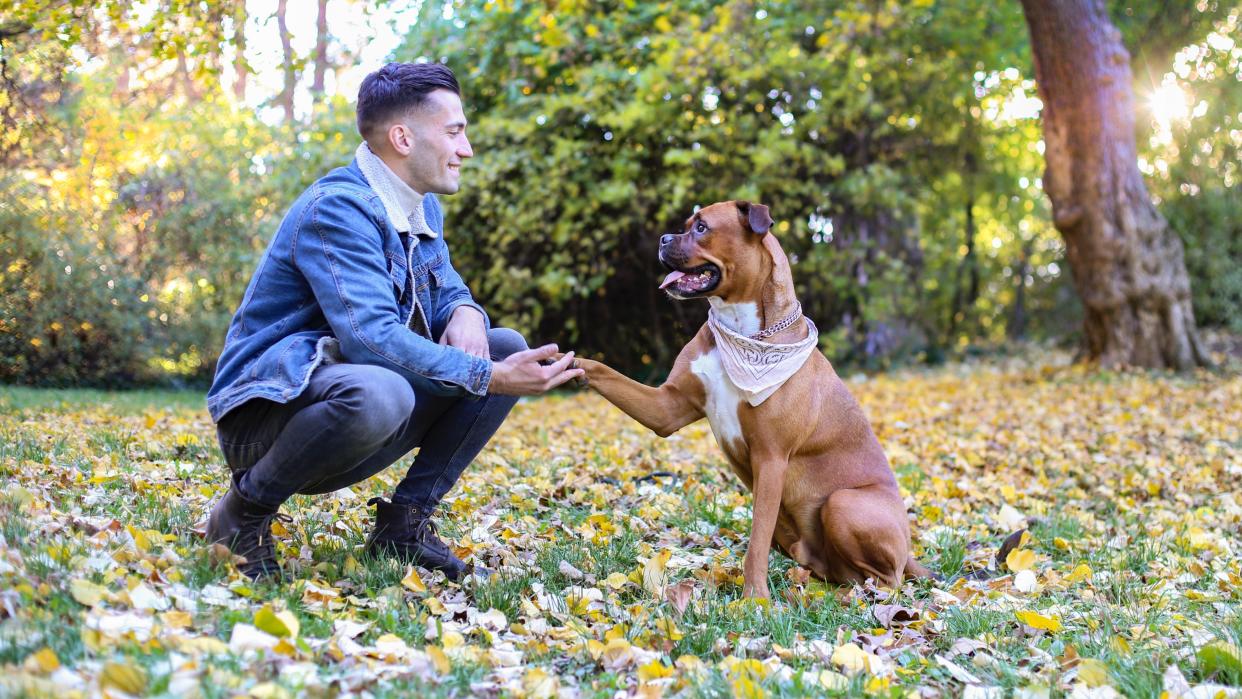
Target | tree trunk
(1127,264)
(240,68)
(187,80)
(321,50)
(285,98)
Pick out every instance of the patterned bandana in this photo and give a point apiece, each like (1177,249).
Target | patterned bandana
(755,367)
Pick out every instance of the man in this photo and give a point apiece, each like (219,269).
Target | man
(357,341)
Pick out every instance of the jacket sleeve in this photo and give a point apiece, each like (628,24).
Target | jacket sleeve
(340,252)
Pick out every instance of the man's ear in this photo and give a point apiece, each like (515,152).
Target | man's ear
(756,215)
(400,138)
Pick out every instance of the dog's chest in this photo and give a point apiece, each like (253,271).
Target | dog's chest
(722,402)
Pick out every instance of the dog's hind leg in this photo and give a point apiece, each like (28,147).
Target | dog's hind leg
(866,536)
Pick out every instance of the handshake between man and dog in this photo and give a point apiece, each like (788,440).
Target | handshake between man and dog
(823,489)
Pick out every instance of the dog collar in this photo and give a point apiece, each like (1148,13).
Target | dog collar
(779,325)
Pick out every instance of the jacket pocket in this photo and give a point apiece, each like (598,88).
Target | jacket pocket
(398,273)
(428,272)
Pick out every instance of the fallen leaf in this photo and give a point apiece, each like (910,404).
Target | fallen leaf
(679,595)
(126,677)
(1020,559)
(1093,672)
(894,614)
(1036,620)
(654,573)
(413,581)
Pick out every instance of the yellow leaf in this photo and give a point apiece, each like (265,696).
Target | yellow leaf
(452,639)
(1093,673)
(279,624)
(1039,621)
(413,581)
(435,606)
(177,619)
(668,629)
(43,662)
(851,658)
(616,581)
(87,592)
(1082,571)
(654,670)
(833,681)
(440,660)
(654,575)
(126,677)
(618,653)
(538,684)
(1020,559)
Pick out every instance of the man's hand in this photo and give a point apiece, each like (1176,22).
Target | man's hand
(467,332)
(521,374)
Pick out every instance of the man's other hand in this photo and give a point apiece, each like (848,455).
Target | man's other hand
(467,332)
(522,374)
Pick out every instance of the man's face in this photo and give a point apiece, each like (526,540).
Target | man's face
(438,128)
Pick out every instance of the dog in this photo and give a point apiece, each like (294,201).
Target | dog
(824,493)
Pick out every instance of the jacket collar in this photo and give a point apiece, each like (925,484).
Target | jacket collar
(403,205)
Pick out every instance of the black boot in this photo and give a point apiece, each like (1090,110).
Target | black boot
(245,527)
(407,533)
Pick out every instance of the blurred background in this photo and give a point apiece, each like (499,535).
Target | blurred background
(149,150)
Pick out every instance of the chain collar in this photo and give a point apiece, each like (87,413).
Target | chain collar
(779,326)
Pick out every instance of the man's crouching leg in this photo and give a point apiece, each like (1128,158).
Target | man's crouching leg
(453,432)
(347,413)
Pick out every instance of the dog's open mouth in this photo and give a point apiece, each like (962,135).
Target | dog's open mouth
(699,280)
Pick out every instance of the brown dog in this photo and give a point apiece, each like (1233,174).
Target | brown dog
(823,490)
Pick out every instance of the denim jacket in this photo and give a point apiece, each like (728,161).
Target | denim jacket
(339,283)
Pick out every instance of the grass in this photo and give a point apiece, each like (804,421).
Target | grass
(1127,475)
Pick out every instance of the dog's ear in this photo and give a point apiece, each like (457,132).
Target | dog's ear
(756,215)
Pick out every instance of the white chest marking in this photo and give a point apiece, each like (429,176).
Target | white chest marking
(723,399)
(741,318)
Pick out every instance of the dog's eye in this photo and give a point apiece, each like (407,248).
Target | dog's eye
(700,227)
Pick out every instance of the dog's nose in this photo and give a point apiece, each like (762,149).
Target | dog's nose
(666,239)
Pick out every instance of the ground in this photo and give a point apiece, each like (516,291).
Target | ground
(619,555)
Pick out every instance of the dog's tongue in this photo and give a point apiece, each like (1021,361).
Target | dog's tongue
(671,278)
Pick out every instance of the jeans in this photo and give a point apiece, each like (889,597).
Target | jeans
(355,420)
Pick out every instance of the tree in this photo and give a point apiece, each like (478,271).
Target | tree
(1126,262)
(321,50)
(285,98)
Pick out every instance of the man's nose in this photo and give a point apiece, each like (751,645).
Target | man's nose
(467,151)
(666,239)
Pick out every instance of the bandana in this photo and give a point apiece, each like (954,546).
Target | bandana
(755,367)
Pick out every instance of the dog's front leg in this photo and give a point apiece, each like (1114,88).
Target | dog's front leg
(663,410)
(769,480)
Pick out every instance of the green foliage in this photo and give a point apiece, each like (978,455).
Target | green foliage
(1196,174)
(896,142)
(869,131)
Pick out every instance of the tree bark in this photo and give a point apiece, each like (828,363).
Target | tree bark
(240,68)
(285,98)
(321,50)
(1126,263)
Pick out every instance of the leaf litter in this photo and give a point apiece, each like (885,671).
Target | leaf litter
(1085,525)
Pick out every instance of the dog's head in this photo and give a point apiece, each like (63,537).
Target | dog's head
(720,252)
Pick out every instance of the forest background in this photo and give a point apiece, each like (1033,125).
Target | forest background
(144,166)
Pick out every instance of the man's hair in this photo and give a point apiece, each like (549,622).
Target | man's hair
(398,88)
